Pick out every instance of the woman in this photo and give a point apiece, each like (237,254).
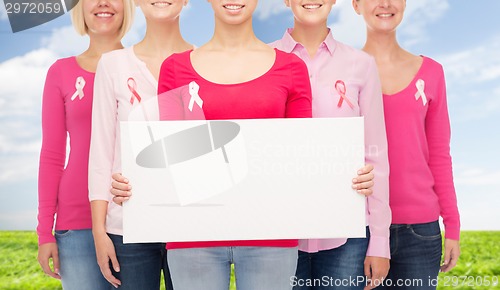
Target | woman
(251,81)
(125,90)
(418,134)
(337,71)
(66,109)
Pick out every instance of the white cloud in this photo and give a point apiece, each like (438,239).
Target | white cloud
(478,176)
(268,8)
(473,78)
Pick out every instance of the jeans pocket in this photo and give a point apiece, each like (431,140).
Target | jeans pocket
(62,233)
(428,231)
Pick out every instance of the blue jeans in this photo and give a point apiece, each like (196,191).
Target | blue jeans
(78,262)
(255,268)
(415,256)
(342,267)
(140,264)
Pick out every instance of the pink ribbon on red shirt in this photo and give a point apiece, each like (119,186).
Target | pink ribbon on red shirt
(132,85)
(341,89)
(79,85)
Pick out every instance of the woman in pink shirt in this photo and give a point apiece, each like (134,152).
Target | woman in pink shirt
(418,134)
(344,83)
(66,109)
(126,90)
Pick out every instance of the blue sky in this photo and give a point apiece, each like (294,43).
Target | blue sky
(462,35)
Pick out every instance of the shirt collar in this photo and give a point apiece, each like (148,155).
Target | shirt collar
(289,43)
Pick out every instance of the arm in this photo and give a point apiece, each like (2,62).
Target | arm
(438,132)
(101,160)
(379,213)
(299,101)
(52,160)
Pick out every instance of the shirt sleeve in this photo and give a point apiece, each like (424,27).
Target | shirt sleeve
(438,132)
(170,102)
(299,103)
(103,135)
(52,154)
(379,212)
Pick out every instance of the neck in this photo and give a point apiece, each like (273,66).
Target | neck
(310,37)
(100,44)
(161,39)
(383,46)
(233,37)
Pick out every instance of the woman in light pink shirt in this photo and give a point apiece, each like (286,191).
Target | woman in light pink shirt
(66,114)
(344,83)
(126,90)
(418,135)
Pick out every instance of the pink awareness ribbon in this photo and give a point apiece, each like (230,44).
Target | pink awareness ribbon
(79,85)
(132,86)
(341,89)
(420,84)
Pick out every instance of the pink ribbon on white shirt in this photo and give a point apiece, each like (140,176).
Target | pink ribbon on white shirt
(420,84)
(132,85)
(79,85)
(341,89)
(194,88)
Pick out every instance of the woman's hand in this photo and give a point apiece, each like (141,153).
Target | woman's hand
(120,189)
(105,252)
(45,253)
(363,183)
(451,254)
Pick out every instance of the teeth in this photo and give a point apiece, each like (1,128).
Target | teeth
(233,7)
(104,14)
(311,6)
(385,15)
(162,4)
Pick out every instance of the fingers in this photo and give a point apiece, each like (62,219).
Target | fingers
(451,254)
(120,189)
(365,169)
(376,269)
(363,183)
(106,271)
(44,256)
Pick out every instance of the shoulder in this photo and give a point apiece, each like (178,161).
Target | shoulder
(429,65)
(353,53)
(116,57)
(286,58)
(64,63)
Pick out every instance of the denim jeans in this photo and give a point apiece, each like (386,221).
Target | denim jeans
(255,268)
(415,256)
(341,268)
(140,264)
(78,262)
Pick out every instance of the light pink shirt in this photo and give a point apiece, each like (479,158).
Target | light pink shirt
(119,74)
(336,62)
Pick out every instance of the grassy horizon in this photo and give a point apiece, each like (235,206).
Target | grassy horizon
(479,261)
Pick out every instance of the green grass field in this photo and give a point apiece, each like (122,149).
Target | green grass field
(478,264)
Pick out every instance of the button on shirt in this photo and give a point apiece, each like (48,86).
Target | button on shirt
(336,72)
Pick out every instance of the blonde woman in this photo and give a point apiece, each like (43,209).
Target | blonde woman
(66,110)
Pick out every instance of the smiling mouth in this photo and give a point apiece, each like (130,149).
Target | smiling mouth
(233,7)
(385,15)
(311,6)
(104,14)
(161,4)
